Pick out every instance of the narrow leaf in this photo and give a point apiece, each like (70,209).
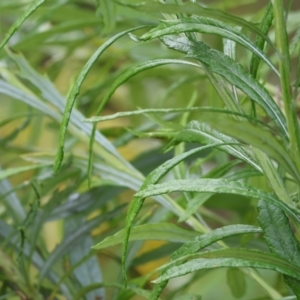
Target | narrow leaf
(75,91)
(232,258)
(215,186)
(207,239)
(137,202)
(233,72)
(161,231)
(206,25)
(21,20)
(189,9)
(280,238)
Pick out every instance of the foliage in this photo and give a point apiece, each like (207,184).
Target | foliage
(163,142)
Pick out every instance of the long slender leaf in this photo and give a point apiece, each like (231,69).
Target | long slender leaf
(233,72)
(215,186)
(203,133)
(206,25)
(120,80)
(71,240)
(160,231)
(280,238)
(75,91)
(265,25)
(137,202)
(200,242)
(34,6)
(231,258)
(190,9)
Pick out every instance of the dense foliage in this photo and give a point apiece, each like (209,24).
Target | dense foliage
(149,149)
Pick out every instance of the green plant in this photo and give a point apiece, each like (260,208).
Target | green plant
(219,98)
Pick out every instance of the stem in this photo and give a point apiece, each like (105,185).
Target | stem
(285,79)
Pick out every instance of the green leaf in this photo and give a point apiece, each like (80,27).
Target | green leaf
(207,239)
(160,231)
(264,140)
(34,6)
(88,272)
(199,199)
(190,9)
(203,133)
(106,9)
(75,91)
(206,25)
(71,240)
(265,25)
(215,186)
(120,80)
(171,110)
(232,71)
(137,202)
(15,171)
(272,176)
(279,237)
(232,258)
(236,282)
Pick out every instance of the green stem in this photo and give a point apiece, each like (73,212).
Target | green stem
(285,79)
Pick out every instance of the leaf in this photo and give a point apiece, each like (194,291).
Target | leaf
(207,239)
(89,271)
(137,202)
(232,71)
(160,231)
(199,199)
(236,282)
(203,133)
(201,242)
(265,25)
(272,176)
(34,6)
(120,80)
(71,240)
(170,110)
(75,91)
(230,258)
(190,9)
(15,171)
(215,186)
(258,138)
(52,95)
(106,9)
(279,237)
(206,25)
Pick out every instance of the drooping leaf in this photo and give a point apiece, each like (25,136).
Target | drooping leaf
(190,9)
(203,133)
(230,258)
(215,186)
(280,237)
(34,6)
(160,231)
(75,91)
(206,25)
(232,71)
(207,239)
(137,202)
(63,248)
(120,80)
